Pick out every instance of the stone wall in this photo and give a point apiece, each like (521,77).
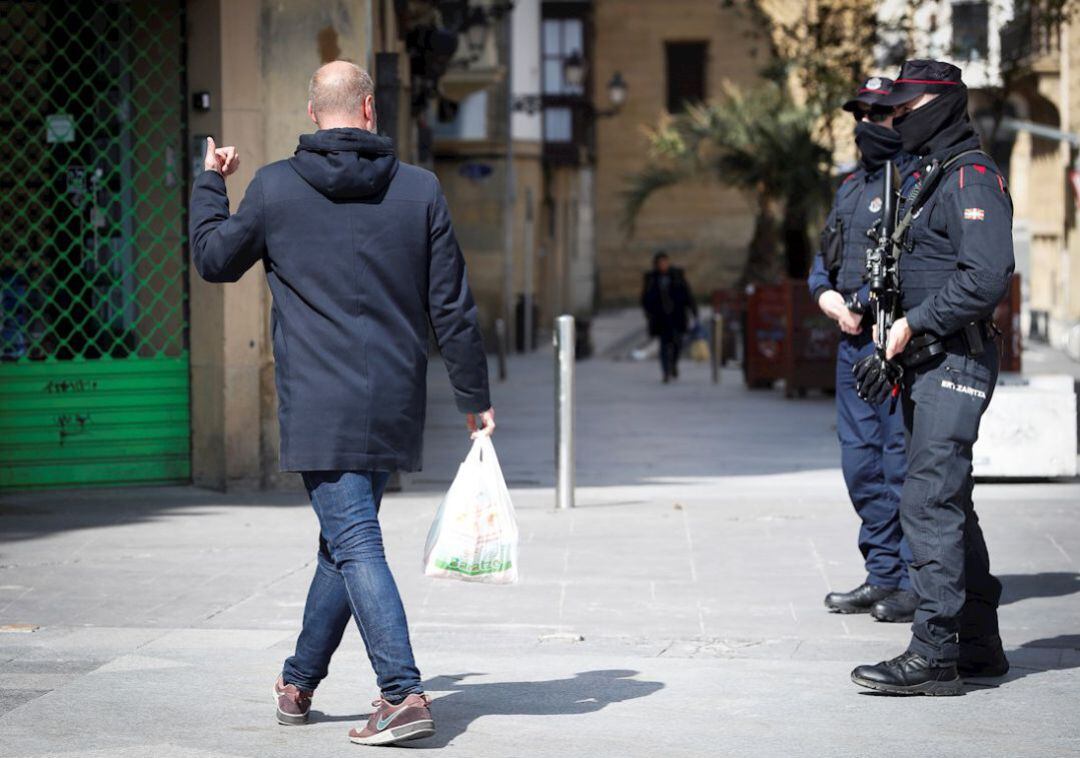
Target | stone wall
(255,58)
(705,227)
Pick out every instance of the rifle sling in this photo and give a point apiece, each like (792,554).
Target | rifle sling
(924,195)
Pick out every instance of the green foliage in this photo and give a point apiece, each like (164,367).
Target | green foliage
(761,141)
(756,140)
(822,52)
(828,49)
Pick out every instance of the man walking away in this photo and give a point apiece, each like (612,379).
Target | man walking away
(666,299)
(360,257)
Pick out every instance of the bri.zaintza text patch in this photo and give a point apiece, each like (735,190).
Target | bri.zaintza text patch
(963,389)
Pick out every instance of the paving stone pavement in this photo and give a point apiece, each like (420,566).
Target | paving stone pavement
(676,611)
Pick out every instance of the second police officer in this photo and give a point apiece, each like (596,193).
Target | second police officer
(873,456)
(956,260)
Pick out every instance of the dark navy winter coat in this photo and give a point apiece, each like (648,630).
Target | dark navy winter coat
(360,256)
(667,310)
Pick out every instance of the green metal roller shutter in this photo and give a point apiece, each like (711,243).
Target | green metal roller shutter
(94,378)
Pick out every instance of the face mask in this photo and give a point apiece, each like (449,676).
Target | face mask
(876,144)
(919,128)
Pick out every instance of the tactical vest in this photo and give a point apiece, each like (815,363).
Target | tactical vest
(858,210)
(928,258)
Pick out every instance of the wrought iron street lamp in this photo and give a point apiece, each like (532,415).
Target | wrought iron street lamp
(574,69)
(476,34)
(617,91)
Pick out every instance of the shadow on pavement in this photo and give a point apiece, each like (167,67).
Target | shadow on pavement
(1017,587)
(28,515)
(586,692)
(1036,657)
(318,717)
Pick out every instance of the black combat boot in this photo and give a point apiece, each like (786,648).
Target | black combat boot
(982,657)
(909,674)
(897,607)
(859,600)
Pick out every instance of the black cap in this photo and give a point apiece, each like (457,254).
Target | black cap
(870,93)
(919,76)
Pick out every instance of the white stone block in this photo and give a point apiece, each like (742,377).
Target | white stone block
(1029,429)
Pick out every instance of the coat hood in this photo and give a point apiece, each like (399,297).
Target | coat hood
(345,164)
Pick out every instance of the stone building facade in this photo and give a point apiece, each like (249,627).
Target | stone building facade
(705,227)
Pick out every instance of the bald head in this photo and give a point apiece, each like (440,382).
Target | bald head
(341,94)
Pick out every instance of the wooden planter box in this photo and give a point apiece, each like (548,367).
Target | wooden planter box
(765,335)
(811,342)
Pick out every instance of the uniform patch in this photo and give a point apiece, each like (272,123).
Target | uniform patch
(874,83)
(875,205)
(963,389)
(974,214)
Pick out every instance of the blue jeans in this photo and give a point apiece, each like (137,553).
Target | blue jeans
(874,459)
(352,579)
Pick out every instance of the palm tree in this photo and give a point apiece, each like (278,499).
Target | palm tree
(756,140)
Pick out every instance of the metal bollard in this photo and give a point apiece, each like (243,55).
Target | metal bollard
(565,338)
(717,346)
(500,339)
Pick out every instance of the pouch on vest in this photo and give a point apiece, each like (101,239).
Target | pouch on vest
(832,247)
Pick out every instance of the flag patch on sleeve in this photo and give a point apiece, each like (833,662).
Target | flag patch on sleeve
(974,214)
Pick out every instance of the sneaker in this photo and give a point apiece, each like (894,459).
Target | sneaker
(293,703)
(408,720)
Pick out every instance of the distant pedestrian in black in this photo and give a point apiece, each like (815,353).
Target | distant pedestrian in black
(667,300)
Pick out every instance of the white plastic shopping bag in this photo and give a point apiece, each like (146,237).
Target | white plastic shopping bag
(475,537)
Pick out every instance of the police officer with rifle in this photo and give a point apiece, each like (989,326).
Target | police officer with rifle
(872,449)
(937,278)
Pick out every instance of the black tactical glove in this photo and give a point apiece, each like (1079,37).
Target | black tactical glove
(876,378)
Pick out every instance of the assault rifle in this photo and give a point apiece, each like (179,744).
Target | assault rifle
(877,378)
(882,262)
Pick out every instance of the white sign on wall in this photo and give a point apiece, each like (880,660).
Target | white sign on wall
(59,128)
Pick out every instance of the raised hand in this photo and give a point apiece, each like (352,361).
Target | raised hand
(223,160)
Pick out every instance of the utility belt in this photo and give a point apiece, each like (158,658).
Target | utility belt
(970,340)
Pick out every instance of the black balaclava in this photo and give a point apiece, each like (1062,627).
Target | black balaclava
(876,144)
(939,124)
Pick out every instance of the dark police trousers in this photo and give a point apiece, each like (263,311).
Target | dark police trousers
(944,401)
(874,460)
